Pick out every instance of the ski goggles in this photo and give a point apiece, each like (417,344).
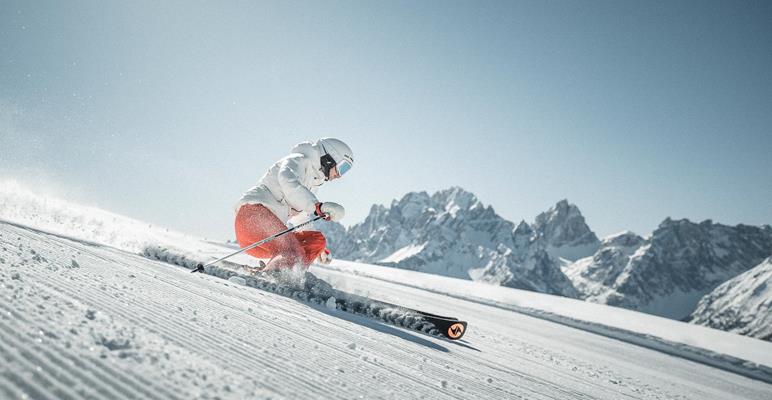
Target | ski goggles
(343,167)
(328,163)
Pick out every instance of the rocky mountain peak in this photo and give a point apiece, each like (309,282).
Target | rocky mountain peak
(563,231)
(523,229)
(622,239)
(562,214)
(455,199)
(412,204)
(522,235)
(412,197)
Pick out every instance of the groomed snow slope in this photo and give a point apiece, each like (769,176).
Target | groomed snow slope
(82,320)
(742,354)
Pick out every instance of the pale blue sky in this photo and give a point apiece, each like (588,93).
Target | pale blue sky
(168,111)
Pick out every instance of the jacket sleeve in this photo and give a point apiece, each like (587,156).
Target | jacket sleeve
(296,195)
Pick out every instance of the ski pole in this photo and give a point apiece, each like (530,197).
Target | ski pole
(200,267)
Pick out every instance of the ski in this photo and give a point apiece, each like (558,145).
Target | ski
(450,327)
(320,292)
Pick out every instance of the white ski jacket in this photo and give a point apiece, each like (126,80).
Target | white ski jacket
(288,187)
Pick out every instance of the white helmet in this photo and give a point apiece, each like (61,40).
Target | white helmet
(335,153)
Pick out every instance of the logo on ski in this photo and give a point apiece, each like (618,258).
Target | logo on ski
(455,331)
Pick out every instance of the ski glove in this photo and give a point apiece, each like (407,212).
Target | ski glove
(330,211)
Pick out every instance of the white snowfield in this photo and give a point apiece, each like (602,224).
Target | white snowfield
(742,354)
(83,317)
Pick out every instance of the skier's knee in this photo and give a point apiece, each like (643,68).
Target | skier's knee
(320,240)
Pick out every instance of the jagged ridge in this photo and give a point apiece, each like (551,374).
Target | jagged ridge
(452,233)
(668,273)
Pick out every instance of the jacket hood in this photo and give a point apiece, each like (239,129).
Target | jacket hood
(312,151)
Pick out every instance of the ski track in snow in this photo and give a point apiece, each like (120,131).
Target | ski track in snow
(80,320)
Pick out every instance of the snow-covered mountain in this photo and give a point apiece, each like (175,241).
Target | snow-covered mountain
(563,232)
(667,273)
(593,275)
(742,304)
(452,233)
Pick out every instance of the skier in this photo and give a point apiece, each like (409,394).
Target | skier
(287,190)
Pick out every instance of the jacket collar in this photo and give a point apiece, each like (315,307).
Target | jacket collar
(313,153)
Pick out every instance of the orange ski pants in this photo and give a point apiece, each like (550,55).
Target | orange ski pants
(255,222)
